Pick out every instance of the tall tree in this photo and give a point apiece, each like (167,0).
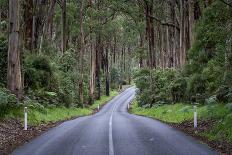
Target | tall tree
(92,61)
(14,81)
(63,23)
(82,48)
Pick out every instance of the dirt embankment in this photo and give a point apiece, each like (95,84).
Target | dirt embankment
(221,146)
(12,134)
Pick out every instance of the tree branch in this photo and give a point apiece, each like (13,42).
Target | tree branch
(227,3)
(164,23)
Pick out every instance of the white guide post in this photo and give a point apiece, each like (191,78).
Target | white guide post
(195,117)
(98,107)
(128,106)
(25,118)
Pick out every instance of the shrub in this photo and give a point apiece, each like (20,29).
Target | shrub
(229,106)
(142,79)
(7,100)
(114,78)
(211,100)
(38,72)
(154,87)
(178,89)
(224,94)
(197,87)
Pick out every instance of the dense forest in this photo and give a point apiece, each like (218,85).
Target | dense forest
(69,53)
(72,52)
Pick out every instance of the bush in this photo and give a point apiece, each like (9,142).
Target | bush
(178,89)
(224,94)
(142,79)
(38,72)
(197,87)
(155,86)
(7,100)
(114,78)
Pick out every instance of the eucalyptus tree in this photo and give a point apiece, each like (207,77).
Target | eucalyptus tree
(14,78)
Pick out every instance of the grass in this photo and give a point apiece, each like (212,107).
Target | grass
(177,113)
(38,115)
(55,114)
(103,100)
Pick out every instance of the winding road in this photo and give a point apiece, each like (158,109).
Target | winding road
(113,131)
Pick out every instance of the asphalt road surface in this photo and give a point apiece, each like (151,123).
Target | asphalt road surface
(113,131)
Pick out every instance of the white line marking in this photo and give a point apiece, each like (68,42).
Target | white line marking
(111,144)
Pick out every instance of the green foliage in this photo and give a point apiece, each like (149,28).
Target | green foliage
(7,101)
(178,89)
(157,86)
(104,99)
(38,113)
(224,94)
(197,87)
(229,106)
(178,113)
(207,68)
(38,72)
(211,100)
(142,81)
(141,78)
(114,77)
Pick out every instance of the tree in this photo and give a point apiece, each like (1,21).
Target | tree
(63,23)
(82,48)
(14,80)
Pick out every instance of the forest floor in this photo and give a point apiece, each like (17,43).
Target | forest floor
(214,128)
(12,134)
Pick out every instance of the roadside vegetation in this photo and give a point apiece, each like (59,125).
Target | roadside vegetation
(63,58)
(38,113)
(179,112)
(169,94)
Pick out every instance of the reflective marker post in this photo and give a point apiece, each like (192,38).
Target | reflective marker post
(195,117)
(98,107)
(128,106)
(25,118)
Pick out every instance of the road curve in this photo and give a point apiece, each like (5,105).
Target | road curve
(113,131)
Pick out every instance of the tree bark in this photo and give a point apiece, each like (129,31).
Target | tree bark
(50,20)
(107,75)
(14,81)
(81,93)
(141,45)
(63,23)
(92,64)
(150,32)
(191,9)
(28,20)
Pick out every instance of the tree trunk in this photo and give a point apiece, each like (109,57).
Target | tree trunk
(14,81)
(28,20)
(182,32)
(107,75)
(63,23)
(97,70)
(150,32)
(81,93)
(141,45)
(92,64)
(191,4)
(50,20)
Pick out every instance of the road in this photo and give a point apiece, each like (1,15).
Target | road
(113,131)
